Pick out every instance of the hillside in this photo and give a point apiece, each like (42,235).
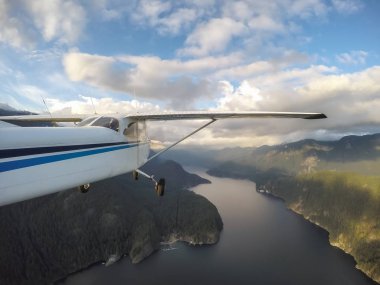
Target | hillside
(47,238)
(333,184)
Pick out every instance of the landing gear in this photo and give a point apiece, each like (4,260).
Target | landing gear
(135,175)
(84,188)
(159,186)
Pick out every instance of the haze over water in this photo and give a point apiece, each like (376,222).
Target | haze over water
(262,243)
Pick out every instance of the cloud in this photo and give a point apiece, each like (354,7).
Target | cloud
(106,105)
(12,29)
(177,21)
(109,10)
(266,23)
(212,36)
(268,85)
(151,10)
(353,57)
(243,98)
(306,8)
(95,70)
(347,6)
(179,83)
(58,19)
(253,23)
(22,22)
(349,100)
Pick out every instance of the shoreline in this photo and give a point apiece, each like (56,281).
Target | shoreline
(297,212)
(315,223)
(164,242)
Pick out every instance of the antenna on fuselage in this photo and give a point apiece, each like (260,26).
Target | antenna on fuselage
(93,106)
(134,97)
(47,108)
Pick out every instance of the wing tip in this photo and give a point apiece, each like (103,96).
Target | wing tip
(316,116)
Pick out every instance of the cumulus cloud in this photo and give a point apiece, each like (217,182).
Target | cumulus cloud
(13,31)
(178,83)
(22,22)
(106,105)
(349,100)
(268,86)
(243,98)
(252,22)
(58,19)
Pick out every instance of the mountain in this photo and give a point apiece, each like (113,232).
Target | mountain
(6,110)
(203,156)
(334,184)
(45,239)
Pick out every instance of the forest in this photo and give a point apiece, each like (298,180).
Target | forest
(45,239)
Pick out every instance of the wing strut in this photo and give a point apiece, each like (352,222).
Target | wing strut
(160,184)
(174,144)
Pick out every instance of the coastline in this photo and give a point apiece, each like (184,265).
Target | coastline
(172,239)
(268,191)
(316,223)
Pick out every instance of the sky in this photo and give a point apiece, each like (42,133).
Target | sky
(129,56)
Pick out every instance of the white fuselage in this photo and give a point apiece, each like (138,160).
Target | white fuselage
(35,161)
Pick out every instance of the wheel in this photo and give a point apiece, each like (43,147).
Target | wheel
(84,188)
(135,175)
(160,187)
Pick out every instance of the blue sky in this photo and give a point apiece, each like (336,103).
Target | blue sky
(302,55)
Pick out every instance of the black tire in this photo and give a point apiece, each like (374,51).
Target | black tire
(135,175)
(84,188)
(160,187)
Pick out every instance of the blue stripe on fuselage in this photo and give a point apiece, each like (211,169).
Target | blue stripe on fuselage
(22,163)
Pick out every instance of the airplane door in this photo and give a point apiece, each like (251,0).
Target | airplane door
(141,138)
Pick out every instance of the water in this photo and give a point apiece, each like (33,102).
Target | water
(262,243)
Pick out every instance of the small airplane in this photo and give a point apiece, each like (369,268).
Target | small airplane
(36,161)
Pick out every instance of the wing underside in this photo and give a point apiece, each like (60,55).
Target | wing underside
(189,115)
(41,118)
(165,116)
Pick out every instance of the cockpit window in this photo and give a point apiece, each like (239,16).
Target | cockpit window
(86,122)
(136,131)
(107,122)
(130,132)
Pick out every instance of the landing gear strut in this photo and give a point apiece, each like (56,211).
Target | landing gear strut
(135,175)
(159,186)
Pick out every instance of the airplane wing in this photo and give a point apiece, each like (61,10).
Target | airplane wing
(165,116)
(190,115)
(42,118)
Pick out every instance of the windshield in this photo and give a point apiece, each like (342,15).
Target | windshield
(86,122)
(107,122)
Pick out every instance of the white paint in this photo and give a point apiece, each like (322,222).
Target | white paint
(34,181)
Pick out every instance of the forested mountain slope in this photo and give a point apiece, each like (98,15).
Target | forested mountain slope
(47,238)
